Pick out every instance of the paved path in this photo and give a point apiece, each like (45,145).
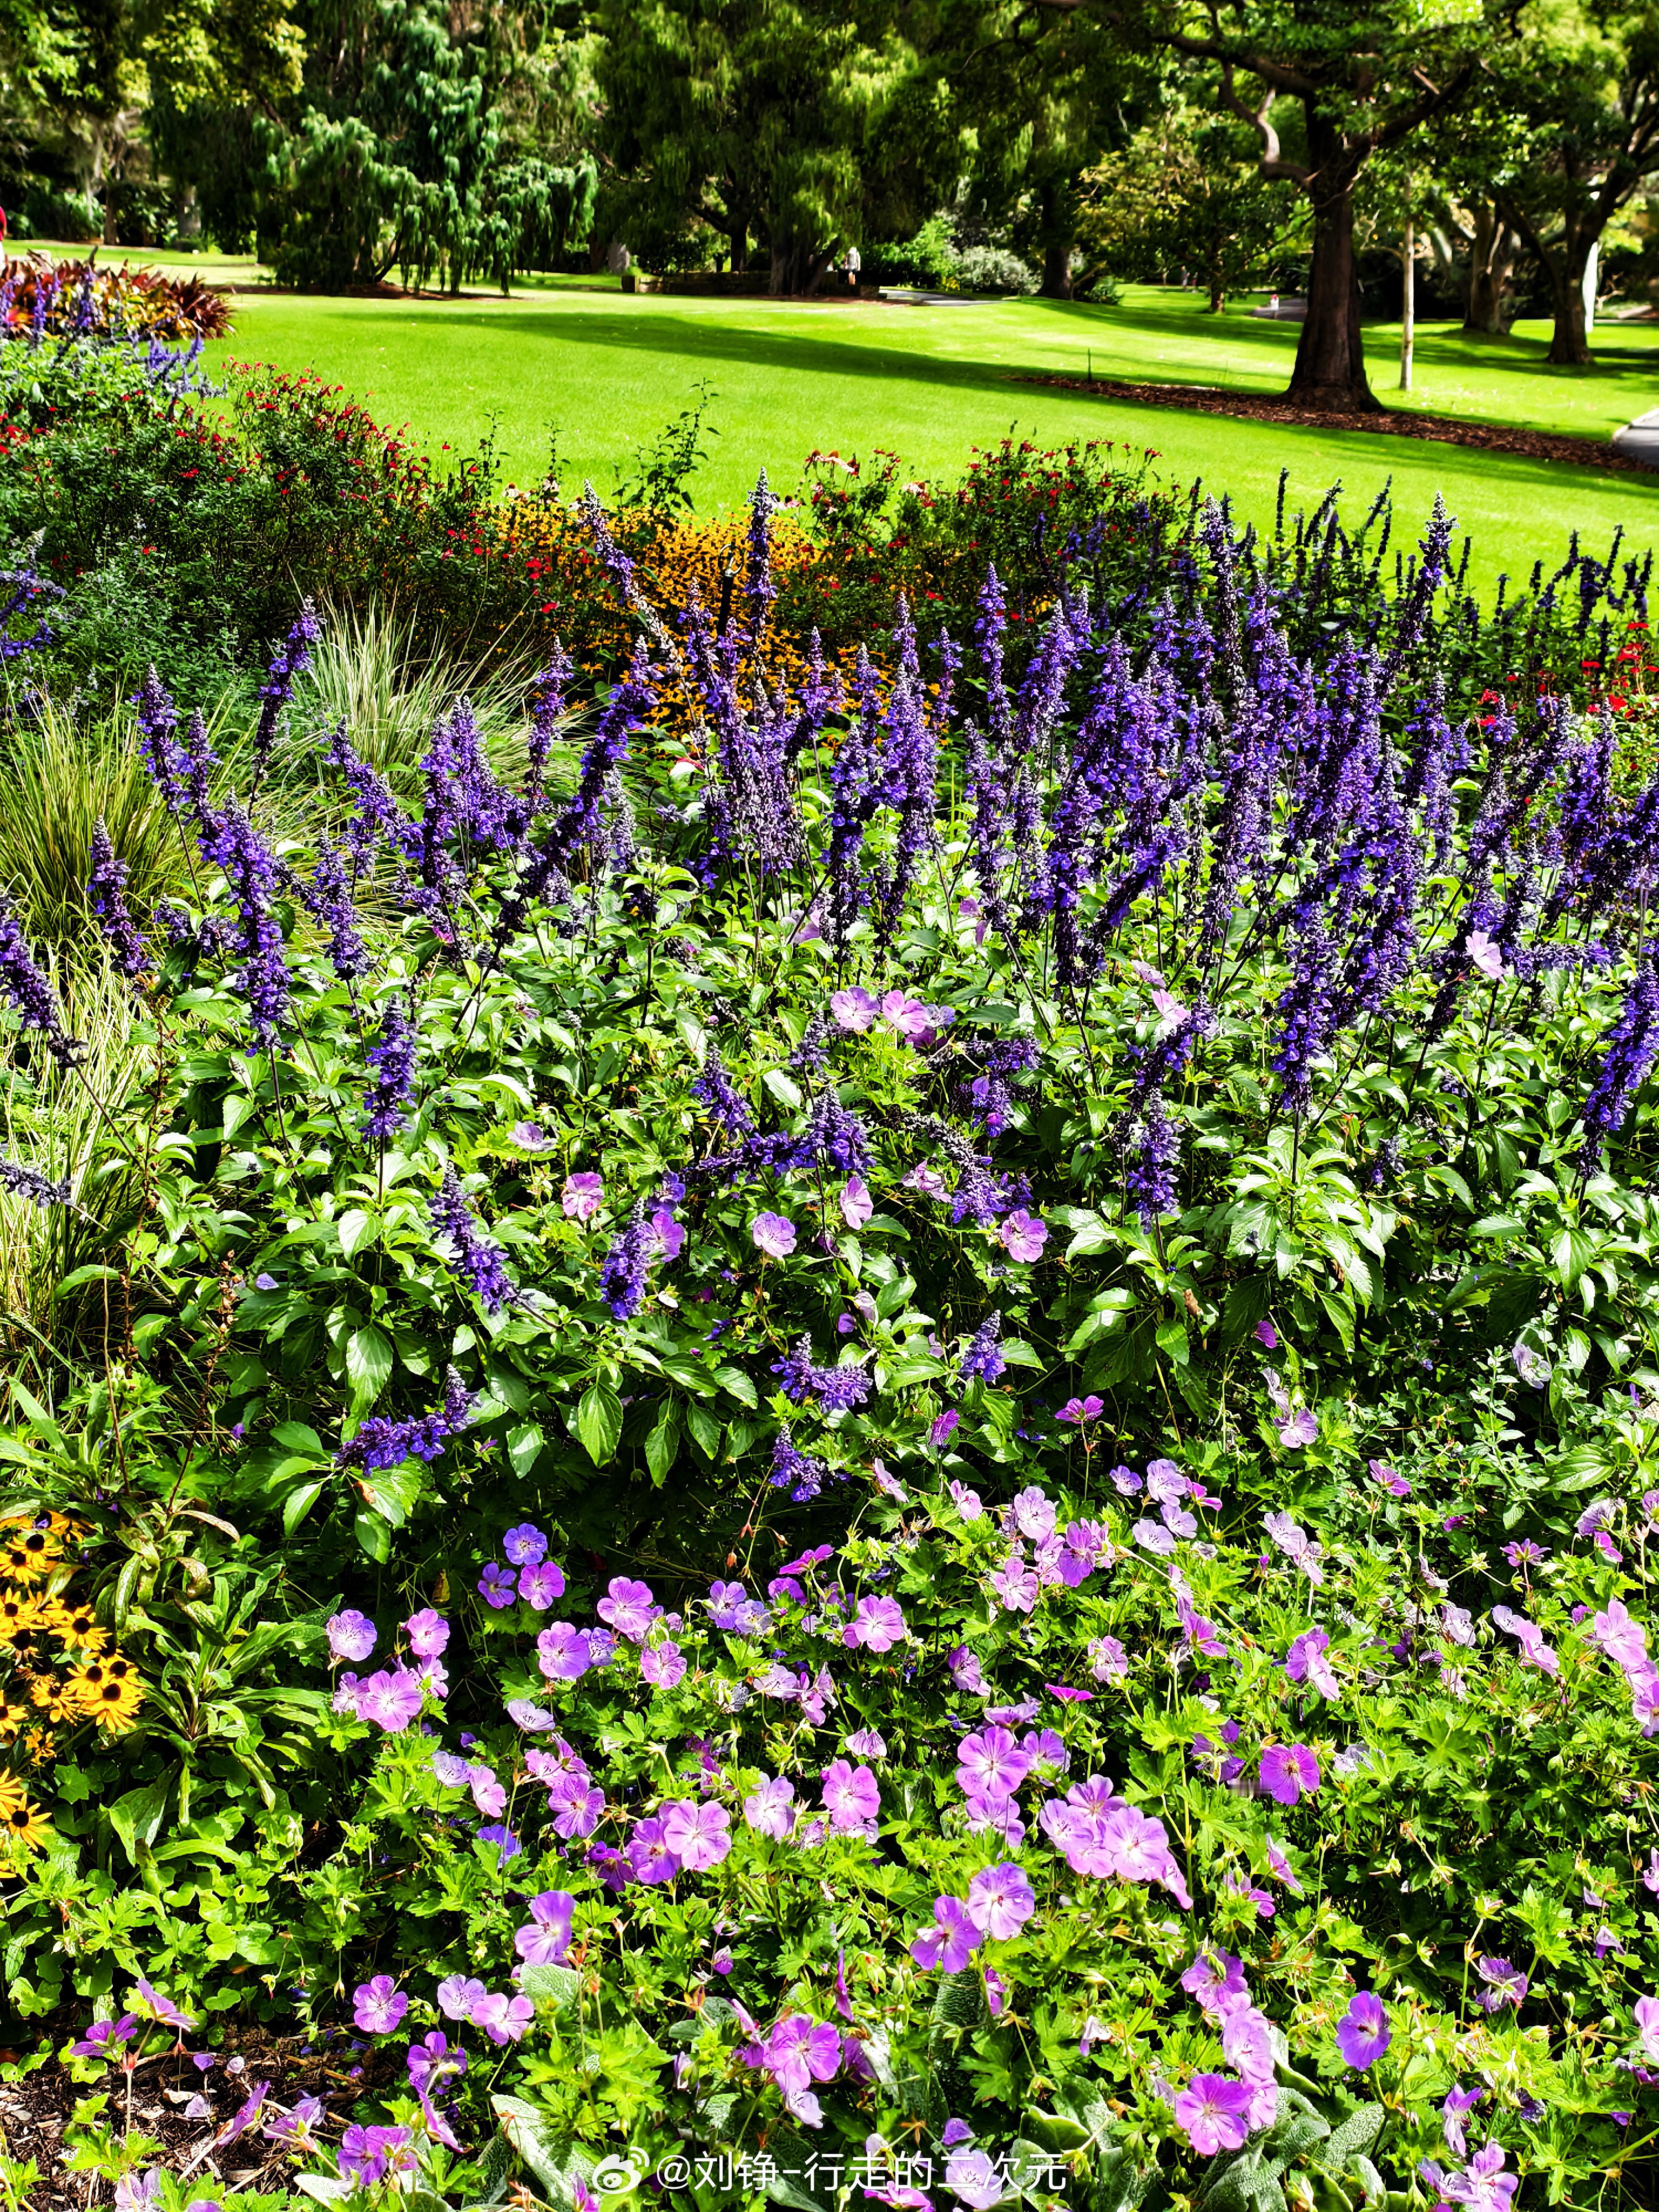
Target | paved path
(1639,441)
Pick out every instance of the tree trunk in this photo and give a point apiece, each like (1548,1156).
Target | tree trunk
(1329,376)
(1569,347)
(740,248)
(1057,269)
(1491,256)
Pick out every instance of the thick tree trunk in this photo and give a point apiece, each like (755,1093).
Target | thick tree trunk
(1491,256)
(1057,269)
(1568,345)
(1329,376)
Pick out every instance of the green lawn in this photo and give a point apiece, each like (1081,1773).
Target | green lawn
(608,369)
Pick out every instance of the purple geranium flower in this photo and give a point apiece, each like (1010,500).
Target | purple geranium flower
(950,1941)
(1363,2033)
(1289,1772)
(377,2006)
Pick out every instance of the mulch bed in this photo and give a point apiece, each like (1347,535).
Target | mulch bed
(34,2110)
(1489,437)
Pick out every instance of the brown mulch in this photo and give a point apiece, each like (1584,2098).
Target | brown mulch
(1491,437)
(35,2108)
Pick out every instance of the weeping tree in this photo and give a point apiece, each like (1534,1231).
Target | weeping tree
(1046,100)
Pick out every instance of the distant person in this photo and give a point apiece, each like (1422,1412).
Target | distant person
(851,264)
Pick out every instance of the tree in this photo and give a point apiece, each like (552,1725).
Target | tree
(1358,78)
(765,119)
(1045,104)
(1588,105)
(1184,194)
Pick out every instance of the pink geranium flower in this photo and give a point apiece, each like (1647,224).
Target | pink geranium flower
(698,1833)
(582,1196)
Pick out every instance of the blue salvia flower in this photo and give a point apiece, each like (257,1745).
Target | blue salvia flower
(232,844)
(1042,691)
(854,795)
(758,590)
(1632,1048)
(580,822)
(1154,1156)
(25,987)
(327,894)
(624,1277)
(377,816)
(164,759)
(26,587)
(1306,1007)
(837,1389)
(28,1182)
(292,659)
(910,784)
(106,894)
(748,802)
(794,1470)
(393,1056)
(381,1443)
(721,1100)
(470,1253)
(989,622)
(983,1361)
(546,712)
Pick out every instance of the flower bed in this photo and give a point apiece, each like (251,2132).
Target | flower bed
(896,1432)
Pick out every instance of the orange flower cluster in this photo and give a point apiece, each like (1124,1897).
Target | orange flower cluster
(704,557)
(57,1671)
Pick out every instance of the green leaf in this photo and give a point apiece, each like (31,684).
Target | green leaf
(298,1503)
(136,1817)
(299,1438)
(550,1988)
(599,1422)
(368,1363)
(524,1446)
(783,1088)
(1172,1340)
(734,1380)
(355,1228)
(372,1535)
(662,1444)
(705,1431)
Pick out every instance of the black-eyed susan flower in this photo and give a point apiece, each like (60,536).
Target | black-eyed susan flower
(29,1555)
(25,1825)
(108,1691)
